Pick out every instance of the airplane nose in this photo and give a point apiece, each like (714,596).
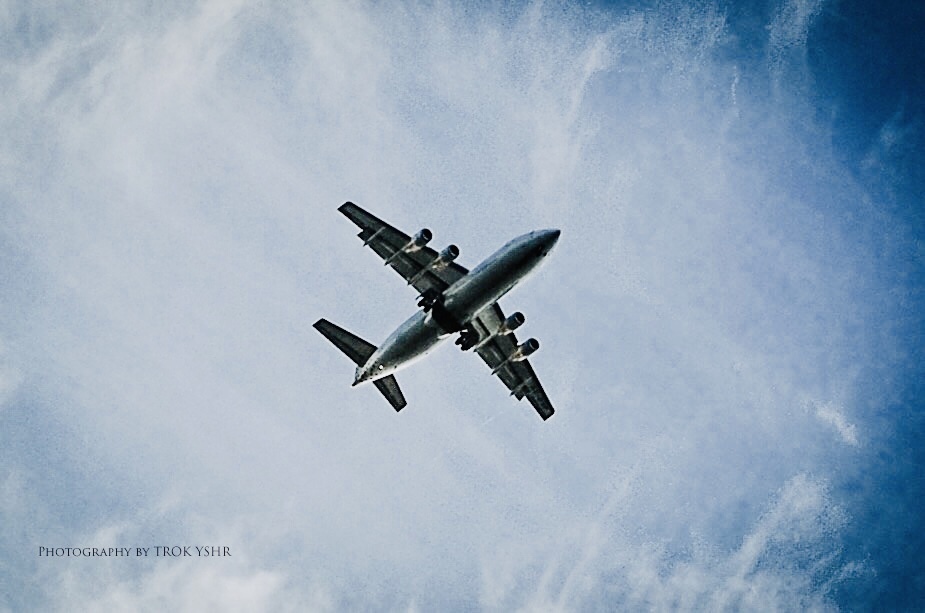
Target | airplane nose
(550,237)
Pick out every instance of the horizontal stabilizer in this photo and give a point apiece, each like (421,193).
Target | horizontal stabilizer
(355,347)
(389,388)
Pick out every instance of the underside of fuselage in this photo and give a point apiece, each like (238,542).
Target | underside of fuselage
(412,340)
(452,300)
(447,313)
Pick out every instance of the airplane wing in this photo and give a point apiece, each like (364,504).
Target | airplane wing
(413,265)
(519,376)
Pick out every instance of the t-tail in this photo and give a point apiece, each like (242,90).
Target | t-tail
(359,351)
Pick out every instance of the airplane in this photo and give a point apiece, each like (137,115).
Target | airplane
(452,300)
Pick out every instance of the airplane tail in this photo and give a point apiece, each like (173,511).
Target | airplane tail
(388,386)
(359,351)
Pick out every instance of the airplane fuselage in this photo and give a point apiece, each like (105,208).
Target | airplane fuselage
(459,304)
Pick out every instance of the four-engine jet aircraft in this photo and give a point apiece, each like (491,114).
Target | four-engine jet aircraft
(452,300)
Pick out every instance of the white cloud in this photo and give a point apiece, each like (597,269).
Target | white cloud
(789,31)
(775,567)
(833,416)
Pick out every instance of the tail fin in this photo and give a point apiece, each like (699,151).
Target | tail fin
(359,351)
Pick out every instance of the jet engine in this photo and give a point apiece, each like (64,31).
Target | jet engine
(510,324)
(420,239)
(415,244)
(441,261)
(450,253)
(524,350)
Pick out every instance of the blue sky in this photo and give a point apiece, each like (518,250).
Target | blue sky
(730,324)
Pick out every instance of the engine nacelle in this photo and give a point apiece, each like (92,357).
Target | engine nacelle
(442,260)
(420,239)
(521,352)
(510,324)
(450,253)
(415,244)
(524,350)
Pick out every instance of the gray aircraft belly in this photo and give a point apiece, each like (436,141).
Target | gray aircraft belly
(453,300)
(410,341)
(489,281)
(482,287)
